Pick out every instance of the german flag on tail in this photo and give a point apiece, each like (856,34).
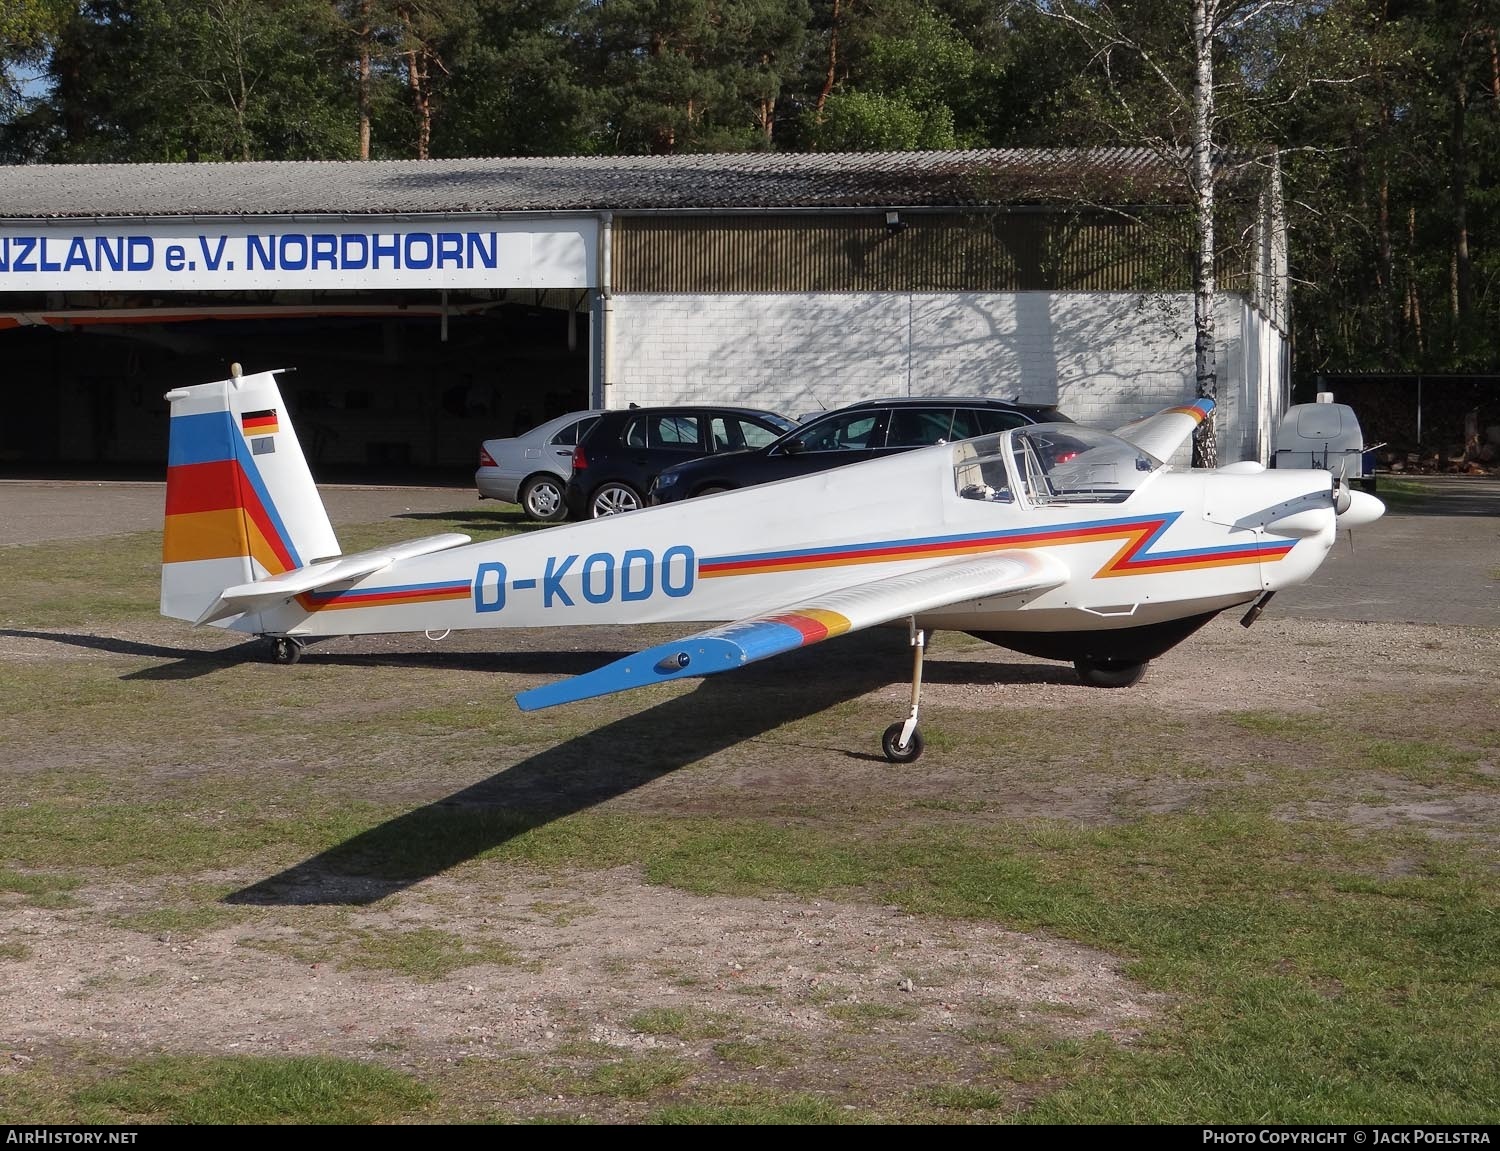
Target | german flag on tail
(259,423)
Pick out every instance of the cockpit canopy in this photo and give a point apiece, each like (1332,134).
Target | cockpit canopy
(1051,463)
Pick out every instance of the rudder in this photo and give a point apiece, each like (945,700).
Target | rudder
(241,502)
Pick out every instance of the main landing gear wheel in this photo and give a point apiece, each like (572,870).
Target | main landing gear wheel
(285,649)
(1110,672)
(902,742)
(890,744)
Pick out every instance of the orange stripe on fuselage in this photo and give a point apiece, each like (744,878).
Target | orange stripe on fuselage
(353,600)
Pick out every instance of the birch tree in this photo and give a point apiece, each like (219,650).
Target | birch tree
(1174,73)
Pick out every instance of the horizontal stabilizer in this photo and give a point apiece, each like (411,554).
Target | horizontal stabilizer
(823,617)
(1162,434)
(277,589)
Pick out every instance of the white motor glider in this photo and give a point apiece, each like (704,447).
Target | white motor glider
(1054,539)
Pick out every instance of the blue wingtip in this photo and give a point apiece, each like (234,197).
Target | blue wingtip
(679,659)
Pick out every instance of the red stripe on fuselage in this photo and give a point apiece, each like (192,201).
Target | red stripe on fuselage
(910,551)
(315,600)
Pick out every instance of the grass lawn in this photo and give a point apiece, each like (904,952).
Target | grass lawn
(1321,945)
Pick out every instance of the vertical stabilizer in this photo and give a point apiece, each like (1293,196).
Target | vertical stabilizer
(241,503)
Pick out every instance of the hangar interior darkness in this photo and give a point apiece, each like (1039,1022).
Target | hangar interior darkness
(382,383)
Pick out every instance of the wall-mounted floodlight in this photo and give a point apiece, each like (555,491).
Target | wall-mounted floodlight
(894,222)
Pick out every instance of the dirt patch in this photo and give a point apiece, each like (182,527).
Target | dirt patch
(589,958)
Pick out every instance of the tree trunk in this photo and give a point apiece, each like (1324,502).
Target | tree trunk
(1414,299)
(833,60)
(421,98)
(1462,294)
(1205,442)
(364,79)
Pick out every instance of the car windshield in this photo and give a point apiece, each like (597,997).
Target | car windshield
(1051,463)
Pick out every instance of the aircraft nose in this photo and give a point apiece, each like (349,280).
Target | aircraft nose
(1363,509)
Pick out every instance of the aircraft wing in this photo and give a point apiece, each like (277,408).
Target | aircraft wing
(1162,434)
(276,589)
(863,605)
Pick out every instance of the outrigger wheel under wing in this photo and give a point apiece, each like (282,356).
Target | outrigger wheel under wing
(813,620)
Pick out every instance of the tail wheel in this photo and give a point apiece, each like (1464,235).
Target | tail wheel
(542,499)
(611,499)
(1110,672)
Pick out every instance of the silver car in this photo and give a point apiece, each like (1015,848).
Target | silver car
(533,469)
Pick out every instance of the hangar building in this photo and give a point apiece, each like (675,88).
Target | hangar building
(427,305)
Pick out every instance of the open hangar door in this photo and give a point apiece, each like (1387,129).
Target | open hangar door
(378,387)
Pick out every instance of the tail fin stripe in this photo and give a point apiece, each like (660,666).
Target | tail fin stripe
(204,535)
(235,516)
(206,487)
(201,478)
(262,509)
(200,439)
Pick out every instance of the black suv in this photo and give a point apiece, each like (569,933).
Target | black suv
(867,430)
(615,462)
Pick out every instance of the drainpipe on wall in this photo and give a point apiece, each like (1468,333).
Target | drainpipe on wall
(602,330)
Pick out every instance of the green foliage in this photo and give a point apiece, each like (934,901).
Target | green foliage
(1394,191)
(166,80)
(855,121)
(1388,116)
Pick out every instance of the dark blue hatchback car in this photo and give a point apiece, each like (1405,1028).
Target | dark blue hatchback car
(864,431)
(615,463)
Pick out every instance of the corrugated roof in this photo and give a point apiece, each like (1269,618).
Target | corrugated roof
(591,183)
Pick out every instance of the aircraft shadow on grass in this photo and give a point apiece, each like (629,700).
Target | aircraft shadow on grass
(600,765)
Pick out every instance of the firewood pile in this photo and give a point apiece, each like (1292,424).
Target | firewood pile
(1477,455)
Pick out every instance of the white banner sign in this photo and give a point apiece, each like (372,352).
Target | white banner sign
(472,252)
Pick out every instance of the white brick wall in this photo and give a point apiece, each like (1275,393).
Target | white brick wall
(1104,358)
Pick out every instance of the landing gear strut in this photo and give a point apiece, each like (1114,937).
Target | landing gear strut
(902,742)
(285,649)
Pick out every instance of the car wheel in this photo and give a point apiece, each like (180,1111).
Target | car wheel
(612,499)
(542,499)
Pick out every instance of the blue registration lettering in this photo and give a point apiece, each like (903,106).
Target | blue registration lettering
(489,587)
(599,562)
(679,583)
(552,581)
(639,563)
